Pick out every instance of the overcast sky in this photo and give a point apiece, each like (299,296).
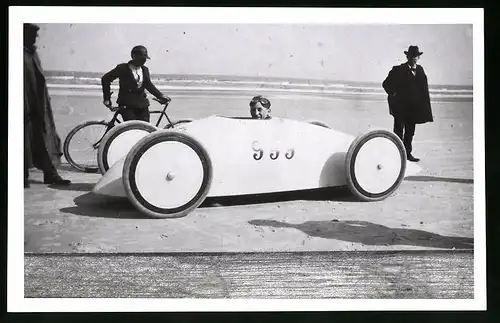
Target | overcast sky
(335,52)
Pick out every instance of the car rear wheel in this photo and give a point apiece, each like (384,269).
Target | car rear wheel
(119,140)
(375,165)
(167,174)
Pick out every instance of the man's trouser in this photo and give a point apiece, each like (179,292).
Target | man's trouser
(135,113)
(405,131)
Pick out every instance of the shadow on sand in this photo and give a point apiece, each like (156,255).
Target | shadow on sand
(93,205)
(69,168)
(439,179)
(339,194)
(80,187)
(373,234)
(34,181)
(97,206)
(336,194)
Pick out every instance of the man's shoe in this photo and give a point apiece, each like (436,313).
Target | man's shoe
(411,158)
(57,180)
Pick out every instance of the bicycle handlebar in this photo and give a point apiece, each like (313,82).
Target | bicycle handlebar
(158,100)
(116,109)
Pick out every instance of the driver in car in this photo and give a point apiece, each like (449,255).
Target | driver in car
(260,108)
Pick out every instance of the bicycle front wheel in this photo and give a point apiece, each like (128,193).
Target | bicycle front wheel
(82,143)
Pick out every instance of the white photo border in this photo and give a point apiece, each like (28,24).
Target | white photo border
(15,256)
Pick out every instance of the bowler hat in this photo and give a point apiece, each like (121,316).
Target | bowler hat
(413,51)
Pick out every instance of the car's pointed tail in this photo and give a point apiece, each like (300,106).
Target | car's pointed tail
(111,184)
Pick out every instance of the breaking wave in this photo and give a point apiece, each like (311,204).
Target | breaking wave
(78,80)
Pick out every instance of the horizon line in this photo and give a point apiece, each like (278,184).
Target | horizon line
(187,75)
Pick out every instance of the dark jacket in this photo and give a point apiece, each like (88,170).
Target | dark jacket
(129,94)
(41,140)
(408,94)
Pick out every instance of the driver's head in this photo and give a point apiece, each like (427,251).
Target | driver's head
(139,55)
(260,108)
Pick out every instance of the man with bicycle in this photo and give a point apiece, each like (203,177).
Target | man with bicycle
(134,78)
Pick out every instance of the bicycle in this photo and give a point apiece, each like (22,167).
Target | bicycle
(88,161)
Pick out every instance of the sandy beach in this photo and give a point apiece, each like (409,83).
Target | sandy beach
(433,210)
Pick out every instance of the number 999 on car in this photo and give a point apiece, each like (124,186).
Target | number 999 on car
(272,152)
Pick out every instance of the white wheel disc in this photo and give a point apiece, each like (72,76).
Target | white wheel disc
(121,144)
(377,165)
(169,174)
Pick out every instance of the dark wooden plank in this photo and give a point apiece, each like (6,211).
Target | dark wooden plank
(443,274)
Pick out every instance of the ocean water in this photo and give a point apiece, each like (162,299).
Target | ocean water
(225,83)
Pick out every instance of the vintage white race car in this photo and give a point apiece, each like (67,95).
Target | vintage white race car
(169,173)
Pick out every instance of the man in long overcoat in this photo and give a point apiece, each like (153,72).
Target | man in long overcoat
(42,144)
(408,97)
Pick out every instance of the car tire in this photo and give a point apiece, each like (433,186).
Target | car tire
(121,134)
(152,160)
(375,165)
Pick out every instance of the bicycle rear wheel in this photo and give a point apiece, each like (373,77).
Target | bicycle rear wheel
(82,143)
